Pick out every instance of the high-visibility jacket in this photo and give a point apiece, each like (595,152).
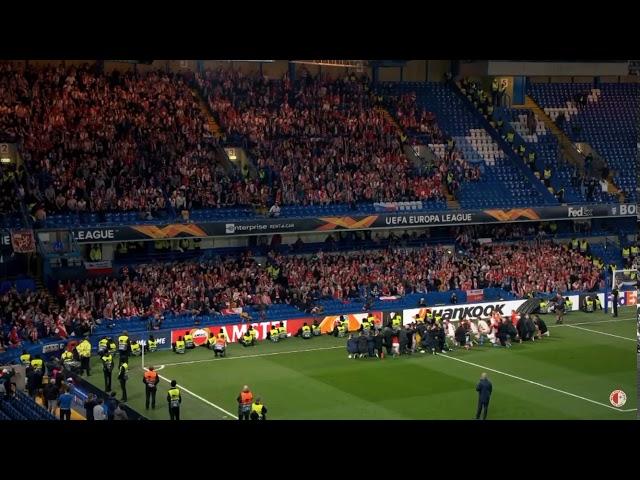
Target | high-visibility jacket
(124,371)
(315,329)
(306,328)
(152,345)
(107,362)
(274,334)
(246,398)
(397,321)
(282,332)
(635,250)
(66,356)
(84,349)
(113,348)
(25,359)
(575,244)
(173,397)
(257,407)
(254,333)
(510,137)
(37,364)
(547,173)
(123,341)
(136,349)
(188,340)
(151,378)
(584,245)
(626,252)
(103,345)
(180,346)
(366,326)
(247,337)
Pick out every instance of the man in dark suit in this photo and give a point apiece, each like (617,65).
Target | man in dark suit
(484,389)
(615,293)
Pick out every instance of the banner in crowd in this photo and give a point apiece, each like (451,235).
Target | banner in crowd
(103,267)
(267,226)
(23,241)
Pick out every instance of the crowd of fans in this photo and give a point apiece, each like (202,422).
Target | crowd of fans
(316,141)
(210,287)
(99,142)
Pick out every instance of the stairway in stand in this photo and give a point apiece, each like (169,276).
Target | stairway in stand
(214,128)
(392,121)
(568,148)
(42,288)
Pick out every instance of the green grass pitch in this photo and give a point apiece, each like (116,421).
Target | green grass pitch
(568,375)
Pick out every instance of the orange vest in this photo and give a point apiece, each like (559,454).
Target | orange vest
(151,377)
(246,398)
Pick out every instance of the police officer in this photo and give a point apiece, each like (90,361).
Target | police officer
(150,380)
(174,399)
(258,410)
(107,370)
(124,347)
(123,376)
(84,351)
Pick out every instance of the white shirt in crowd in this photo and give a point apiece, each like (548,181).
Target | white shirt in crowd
(98,413)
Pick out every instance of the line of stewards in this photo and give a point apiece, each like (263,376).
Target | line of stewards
(150,380)
(174,399)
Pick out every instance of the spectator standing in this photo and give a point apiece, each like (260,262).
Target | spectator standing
(98,410)
(51,396)
(120,413)
(64,402)
(89,405)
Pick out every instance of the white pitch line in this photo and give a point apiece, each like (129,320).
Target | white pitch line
(199,397)
(540,384)
(251,356)
(603,333)
(589,323)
